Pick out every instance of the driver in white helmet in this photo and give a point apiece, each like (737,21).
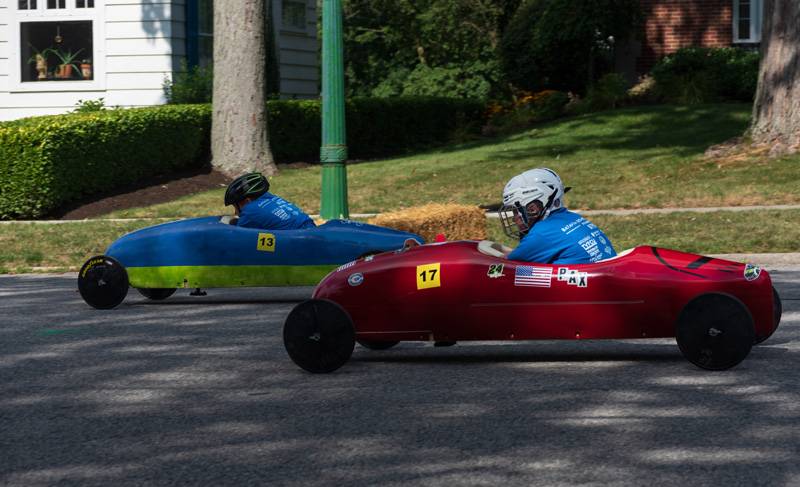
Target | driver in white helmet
(534,212)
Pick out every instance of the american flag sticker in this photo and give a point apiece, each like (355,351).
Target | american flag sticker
(525,275)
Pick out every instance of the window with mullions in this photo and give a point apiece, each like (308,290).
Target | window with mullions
(56,4)
(293,14)
(84,3)
(27,5)
(747,16)
(205,32)
(56,51)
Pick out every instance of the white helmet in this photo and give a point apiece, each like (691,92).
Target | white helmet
(537,185)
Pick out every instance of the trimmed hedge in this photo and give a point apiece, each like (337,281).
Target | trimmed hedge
(48,161)
(375,126)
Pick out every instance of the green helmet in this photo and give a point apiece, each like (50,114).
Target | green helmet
(250,185)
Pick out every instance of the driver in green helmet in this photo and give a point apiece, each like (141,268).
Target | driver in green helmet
(256,207)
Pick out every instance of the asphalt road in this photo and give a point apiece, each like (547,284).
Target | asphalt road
(200,391)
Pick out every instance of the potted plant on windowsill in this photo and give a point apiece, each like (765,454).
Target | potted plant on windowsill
(67,63)
(40,59)
(86,69)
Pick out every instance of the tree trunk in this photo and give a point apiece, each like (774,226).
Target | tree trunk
(776,112)
(239,140)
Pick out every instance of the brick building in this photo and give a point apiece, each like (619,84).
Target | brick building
(672,24)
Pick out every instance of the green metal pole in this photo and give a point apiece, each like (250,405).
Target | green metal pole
(333,152)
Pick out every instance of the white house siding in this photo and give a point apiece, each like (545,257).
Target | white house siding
(139,43)
(142,42)
(298,53)
(3,51)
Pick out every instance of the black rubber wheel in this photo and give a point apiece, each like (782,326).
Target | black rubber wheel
(103,282)
(156,294)
(715,331)
(777,312)
(319,336)
(376,345)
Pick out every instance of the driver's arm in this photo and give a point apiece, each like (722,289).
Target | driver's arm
(533,248)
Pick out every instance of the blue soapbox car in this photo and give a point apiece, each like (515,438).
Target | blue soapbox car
(211,252)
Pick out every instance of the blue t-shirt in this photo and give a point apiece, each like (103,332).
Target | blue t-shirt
(564,237)
(273,212)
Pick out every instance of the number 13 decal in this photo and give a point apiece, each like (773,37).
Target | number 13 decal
(429,275)
(266,242)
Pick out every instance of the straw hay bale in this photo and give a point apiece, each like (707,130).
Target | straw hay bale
(456,222)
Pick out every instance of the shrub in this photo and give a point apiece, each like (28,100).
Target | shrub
(189,85)
(472,81)
(548,45)
(375,126)
(526,110)
(702,75)
(46,162)
(88,106)
(608,92)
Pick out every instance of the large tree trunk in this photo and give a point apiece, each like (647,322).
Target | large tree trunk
(776,112)
(239,141)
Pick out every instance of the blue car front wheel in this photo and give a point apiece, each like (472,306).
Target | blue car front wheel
(103,282)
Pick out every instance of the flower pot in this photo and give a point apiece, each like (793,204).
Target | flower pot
(64,71)
(86,70)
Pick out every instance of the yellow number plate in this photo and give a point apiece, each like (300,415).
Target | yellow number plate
(266,242)
(429,275)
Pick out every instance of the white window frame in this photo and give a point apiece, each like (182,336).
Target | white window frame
(756,16)
(43,14)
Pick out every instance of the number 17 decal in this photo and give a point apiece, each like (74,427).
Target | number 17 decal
(429,275)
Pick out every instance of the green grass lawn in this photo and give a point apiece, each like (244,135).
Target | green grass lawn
(635,157)
(630,158)
(67,246)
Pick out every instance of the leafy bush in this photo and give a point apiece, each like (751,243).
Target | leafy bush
(548,45)
(526,110)
(375,126)
(608,92)
(408,48)
(702,75)
(46,162)
(189,85)
(473,81)
(88,106)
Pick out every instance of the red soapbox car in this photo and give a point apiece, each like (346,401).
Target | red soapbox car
(467,290)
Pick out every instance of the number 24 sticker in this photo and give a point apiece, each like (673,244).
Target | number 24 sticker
(266,242)
(429,275)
